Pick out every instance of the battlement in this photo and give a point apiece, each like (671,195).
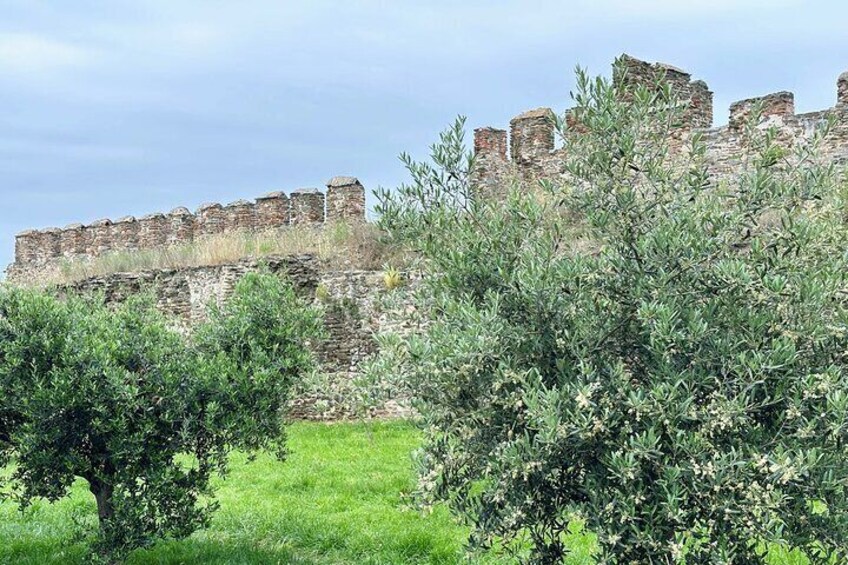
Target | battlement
(531,152)
(528,150)
(344,201)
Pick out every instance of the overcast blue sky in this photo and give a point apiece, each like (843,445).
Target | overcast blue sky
(130,107)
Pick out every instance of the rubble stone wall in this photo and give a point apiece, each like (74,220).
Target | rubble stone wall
(351,302)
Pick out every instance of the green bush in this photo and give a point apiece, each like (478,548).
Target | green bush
(636,346)
(142,413)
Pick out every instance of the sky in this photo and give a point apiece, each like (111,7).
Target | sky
(130,107)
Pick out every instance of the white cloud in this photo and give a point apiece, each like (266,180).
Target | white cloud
(29,54)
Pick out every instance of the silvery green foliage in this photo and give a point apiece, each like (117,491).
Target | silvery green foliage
(659,356)
(144,414)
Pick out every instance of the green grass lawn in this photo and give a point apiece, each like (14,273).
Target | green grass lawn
(337,500)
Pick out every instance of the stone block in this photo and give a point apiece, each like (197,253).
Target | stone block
(180,227)
(125,234)
(272,211)
(776,104)
(240,216)
(210,220)
(307,207)
(72,241)
(345,200)
(152,231)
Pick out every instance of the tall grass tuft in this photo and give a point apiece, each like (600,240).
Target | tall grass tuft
(340,245)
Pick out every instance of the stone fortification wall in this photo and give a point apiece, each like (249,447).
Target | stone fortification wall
(353,301)
(37,249)
(529,151)
(356,306)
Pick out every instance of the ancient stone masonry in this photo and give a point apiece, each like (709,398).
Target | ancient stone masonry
(307,207)
(210,220)
(350,301)
(180,227)
(125,234)
(778,104)
(240,215)
(632,72)
(532,153)
(273,209)
(491,163)
(531,137)
(36,250)
(345,199)
(842,91)
(186,293)
(101,237)
(71,244)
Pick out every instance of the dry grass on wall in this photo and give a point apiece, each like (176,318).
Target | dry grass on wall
(340,245)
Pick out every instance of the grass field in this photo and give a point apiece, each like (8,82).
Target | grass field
(337,500)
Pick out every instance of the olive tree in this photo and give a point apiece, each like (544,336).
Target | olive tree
(142,413)
(636,345)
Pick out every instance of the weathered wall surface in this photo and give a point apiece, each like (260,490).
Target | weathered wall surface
(531,151)
(352,304)
(37,249)
(186,293)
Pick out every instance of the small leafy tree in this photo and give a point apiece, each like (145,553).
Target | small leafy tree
(144,414)
(636,345)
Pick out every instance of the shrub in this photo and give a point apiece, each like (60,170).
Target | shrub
(635,346)
(143,414)
(392,278)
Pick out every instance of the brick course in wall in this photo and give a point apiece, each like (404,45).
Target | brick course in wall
(49,245)
(210,220)
(239,216)
(528,151)
(71,241)
(151,231)
(777,104)
(492,161)
(100,240)
(632,72)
